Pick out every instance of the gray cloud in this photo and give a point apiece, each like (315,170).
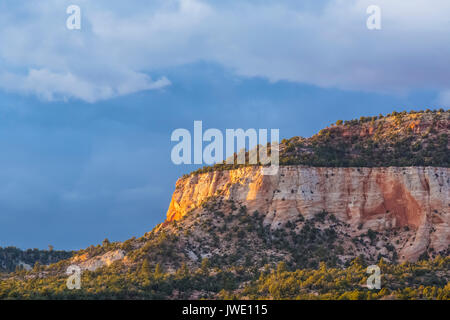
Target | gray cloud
(325,44)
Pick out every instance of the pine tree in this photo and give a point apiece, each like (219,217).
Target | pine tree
(106,242)
(145,268)
(159,272)
(205,266)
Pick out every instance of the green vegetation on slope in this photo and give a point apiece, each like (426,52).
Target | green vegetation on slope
(397,139)
(230,254)
(421,280)
(12,258)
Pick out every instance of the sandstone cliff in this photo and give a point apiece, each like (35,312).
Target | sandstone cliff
(416,198)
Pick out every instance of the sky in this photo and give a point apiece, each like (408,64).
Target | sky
(86,115)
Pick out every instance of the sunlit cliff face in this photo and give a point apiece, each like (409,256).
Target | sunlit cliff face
(375,198)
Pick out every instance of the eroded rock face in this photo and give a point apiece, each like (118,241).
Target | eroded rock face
(375,198)
(96,262)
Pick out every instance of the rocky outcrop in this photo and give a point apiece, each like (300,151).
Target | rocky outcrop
(366,198)
(96,262)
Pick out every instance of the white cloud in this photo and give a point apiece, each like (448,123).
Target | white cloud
(326,45)
(53,86)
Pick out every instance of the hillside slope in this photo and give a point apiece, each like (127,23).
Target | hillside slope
(358,193)
(395,140)
(12,258)
(386,200)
